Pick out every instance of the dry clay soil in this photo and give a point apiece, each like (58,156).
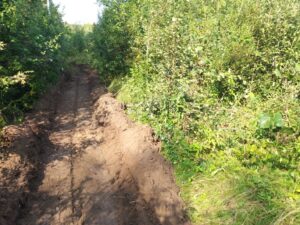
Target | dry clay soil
(77,159)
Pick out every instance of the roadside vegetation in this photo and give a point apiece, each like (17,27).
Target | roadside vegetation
(36,47)
(31,55)
(79,44)
(219,81)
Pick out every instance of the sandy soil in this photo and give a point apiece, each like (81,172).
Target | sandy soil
(79,160)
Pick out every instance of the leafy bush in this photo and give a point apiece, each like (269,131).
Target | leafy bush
(219,81)
(32,40)
(78,41)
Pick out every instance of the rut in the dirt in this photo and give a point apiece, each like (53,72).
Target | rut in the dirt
(95,166)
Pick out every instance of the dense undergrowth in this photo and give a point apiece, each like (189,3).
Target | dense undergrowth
(219,81)
(36,47)
(79,44)
(31,58)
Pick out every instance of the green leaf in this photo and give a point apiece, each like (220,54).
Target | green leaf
(265,121)
(278,120)
(277,73)
(297,67)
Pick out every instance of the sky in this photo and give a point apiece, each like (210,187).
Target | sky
(79,11)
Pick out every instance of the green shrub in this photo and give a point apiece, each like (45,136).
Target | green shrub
(219,81)
(32,40)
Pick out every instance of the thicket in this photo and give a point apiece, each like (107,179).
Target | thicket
(219,81)
(32,41)
(79,43)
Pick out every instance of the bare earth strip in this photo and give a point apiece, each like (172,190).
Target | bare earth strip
(79,160)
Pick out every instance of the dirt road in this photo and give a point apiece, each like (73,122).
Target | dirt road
(78,160)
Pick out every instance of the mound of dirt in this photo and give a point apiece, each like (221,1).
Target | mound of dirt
(80,160)
(16,164)
(139,151)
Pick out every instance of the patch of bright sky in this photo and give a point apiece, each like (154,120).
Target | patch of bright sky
(79,11)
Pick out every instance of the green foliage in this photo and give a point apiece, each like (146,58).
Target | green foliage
(79,43)
(31,54)
(267,121)
(111,40)
(219,81)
